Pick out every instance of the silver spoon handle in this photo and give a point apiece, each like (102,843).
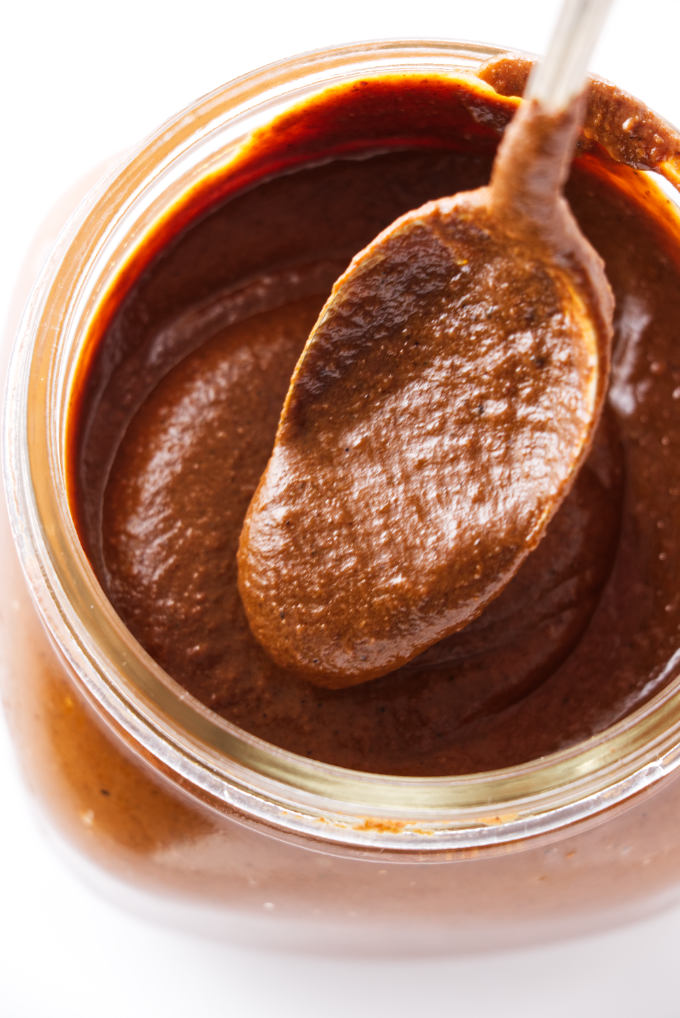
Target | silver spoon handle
(561,73)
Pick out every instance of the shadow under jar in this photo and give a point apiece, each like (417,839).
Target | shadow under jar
(514,783)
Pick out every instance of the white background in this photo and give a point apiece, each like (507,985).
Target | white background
(80,82)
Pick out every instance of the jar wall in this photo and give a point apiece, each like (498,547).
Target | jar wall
(190,862)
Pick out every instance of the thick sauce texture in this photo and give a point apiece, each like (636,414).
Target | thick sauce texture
(440,410)
(181,391)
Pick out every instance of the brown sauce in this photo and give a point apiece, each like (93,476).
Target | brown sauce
(441,408)
(179,400)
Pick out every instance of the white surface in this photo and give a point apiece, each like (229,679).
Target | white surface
(79,82)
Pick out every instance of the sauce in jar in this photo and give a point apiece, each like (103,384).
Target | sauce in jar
(142,773)
(179,407)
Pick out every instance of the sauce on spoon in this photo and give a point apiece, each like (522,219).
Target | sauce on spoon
(435,421)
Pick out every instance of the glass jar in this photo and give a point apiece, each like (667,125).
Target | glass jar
(205,823)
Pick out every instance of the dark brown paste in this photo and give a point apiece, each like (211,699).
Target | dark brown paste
(440,410)
(179,400)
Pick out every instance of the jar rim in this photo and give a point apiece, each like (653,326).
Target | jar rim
(220,761)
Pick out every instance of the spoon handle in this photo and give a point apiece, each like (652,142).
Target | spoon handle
(560,75)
